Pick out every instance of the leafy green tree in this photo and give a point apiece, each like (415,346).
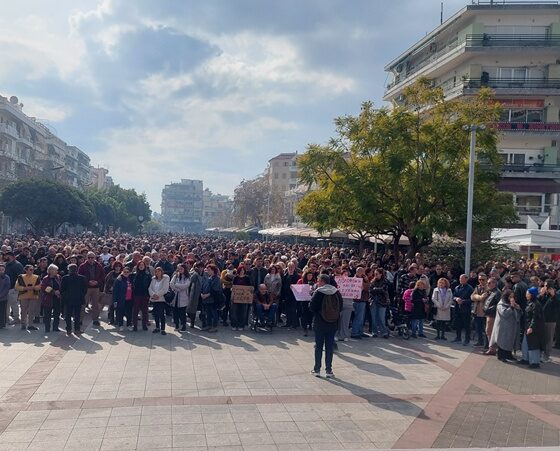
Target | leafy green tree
(46,204)
(404,171)
(120,208)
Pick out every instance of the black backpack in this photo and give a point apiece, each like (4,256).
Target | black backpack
(330,308)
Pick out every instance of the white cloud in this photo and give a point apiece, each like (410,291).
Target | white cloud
(45,110)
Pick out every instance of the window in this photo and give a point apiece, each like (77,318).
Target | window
(518,158)
(518,116)
(512,73)
(535,116)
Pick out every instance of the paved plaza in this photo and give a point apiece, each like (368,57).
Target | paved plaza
(248,391)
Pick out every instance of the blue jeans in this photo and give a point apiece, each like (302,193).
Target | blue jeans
(358,321)
(534,356)
(417,326)
(270,314)
(378,314)
(211,315)
(324,339)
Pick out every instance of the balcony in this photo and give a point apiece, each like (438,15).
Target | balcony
(472,42)
(9,130)
(536,168)
(528,127)
(513,83)
(512,40)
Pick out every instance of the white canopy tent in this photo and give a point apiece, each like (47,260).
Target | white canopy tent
(516,238)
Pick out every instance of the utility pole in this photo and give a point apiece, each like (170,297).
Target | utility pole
(470,194)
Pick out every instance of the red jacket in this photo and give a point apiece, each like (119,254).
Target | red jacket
(98,274)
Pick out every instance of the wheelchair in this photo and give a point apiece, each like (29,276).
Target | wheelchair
(255,324)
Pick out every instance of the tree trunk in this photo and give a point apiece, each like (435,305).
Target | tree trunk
(396,250)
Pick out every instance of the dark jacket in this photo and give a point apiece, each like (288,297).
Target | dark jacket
(47,299)
(288,280)
(73,289)
(4,287)
(550,308)
(534,320)
(141,282)
(119,289)
(257,276)
(491,303)
(419,301)
(464,292)
(379,292)
(13,270)
(316,304)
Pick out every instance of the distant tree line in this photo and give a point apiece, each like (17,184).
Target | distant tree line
(46,205)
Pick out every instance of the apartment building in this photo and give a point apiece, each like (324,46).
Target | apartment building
(513,48)
(100,178)
(182,206)
(29,149)
(216,209)
(283,172)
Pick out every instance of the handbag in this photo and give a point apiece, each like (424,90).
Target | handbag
(169,296)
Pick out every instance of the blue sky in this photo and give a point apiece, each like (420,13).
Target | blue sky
(208,89)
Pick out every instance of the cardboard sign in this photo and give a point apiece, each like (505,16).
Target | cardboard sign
(301,292)
(350,287)
(242,294)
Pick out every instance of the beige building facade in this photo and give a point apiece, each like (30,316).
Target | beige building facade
(513,48)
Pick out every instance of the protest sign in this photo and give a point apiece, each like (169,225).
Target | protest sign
(242,294)
(301,292)
(350,287)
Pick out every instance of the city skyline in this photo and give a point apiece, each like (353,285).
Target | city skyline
(161,92)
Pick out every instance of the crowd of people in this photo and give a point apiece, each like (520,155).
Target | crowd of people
(187,281)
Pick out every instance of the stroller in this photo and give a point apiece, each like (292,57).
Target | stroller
(399,322)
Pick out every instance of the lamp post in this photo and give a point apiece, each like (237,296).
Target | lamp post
(470,193)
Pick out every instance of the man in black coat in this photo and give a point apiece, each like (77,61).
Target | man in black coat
(73,291)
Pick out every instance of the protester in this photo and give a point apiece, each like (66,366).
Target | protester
(73,290)
(51,299)
(534,334)
(326,305)
(442,298)
(506,326)
(159,287)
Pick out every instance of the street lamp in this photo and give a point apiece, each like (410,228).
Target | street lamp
(470,193)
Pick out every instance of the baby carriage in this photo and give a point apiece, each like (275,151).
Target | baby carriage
(397,321)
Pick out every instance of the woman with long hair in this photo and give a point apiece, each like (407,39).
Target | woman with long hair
(180,284)
(159,286)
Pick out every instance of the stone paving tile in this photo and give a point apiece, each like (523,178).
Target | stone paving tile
(495,425)
(519,379)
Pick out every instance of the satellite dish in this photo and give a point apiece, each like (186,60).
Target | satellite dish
(14,100)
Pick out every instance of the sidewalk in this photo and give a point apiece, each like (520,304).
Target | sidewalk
(242,390)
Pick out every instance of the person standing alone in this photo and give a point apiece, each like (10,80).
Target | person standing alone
(326,305)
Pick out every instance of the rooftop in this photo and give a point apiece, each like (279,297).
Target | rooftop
(517,7)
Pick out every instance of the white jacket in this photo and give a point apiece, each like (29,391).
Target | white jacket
(158,288)
(181,287)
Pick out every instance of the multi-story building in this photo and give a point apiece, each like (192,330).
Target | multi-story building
(216,209)
(29,149)
(513,48)
(181,206)
(283,172)
(99,178)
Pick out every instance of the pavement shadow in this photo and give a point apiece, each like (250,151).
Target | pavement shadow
(374,368)
(381,400)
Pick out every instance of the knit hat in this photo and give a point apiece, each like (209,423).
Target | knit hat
(534,291)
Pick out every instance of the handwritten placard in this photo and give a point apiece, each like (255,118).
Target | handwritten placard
(350,287)
(301,292)
(242,294)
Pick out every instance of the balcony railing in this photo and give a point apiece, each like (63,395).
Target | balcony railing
(532,210)
(475,41)
(535,127)
(537,167)
(512,40)
(9,130)
(513,83)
